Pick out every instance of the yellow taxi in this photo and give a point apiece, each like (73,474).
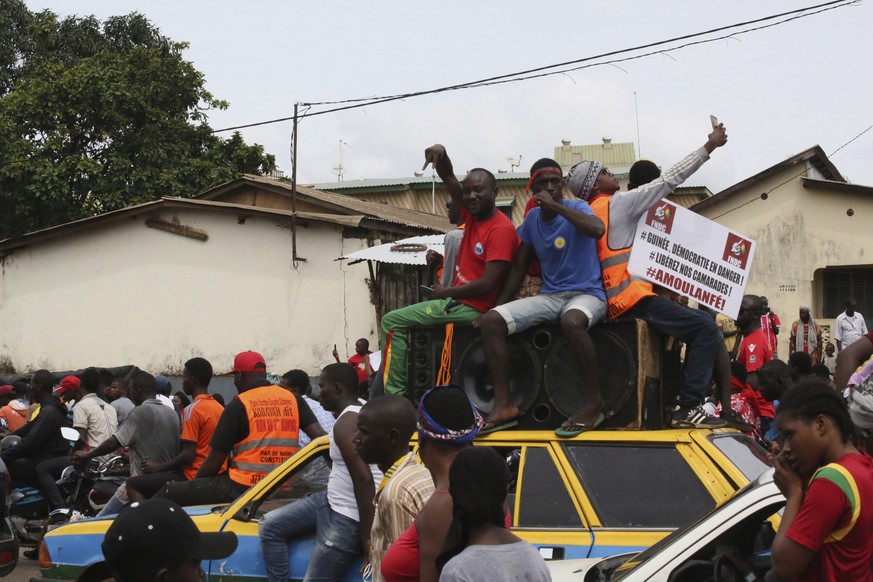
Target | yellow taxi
(602,493)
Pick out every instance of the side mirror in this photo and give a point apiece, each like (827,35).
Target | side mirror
(69,434)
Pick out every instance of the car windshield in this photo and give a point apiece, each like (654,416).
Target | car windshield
(750,458)
(618,572)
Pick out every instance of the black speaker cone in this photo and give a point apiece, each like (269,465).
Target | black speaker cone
(524,375)
(616,373)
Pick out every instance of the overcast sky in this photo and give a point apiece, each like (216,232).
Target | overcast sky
(779,90)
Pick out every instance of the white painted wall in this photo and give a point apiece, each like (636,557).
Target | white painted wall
(798,231)
(124,293)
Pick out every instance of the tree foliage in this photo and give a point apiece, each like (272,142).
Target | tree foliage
(96,116)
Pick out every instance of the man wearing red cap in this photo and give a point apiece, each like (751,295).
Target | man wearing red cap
(260,427)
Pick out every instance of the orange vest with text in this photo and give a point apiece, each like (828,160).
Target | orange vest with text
(274,429)
(622,290)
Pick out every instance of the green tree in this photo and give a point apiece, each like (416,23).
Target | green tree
(96,116)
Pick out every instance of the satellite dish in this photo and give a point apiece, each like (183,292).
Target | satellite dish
(513,162)
(419,174)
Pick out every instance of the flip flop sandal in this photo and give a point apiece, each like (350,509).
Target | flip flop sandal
(578,428)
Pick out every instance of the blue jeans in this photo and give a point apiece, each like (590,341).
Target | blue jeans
(116,503)
(700,334)
(337,539)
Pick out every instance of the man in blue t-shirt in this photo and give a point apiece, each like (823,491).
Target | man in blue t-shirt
(561,234)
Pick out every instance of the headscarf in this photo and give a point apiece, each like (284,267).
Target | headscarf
(809,339)
(428,428)
(582,177)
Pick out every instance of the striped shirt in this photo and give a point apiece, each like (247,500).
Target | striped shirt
(398,502)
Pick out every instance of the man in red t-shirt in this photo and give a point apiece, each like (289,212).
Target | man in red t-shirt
(360,360)
(361,363)
(487,250)
(770,325)
(755,351)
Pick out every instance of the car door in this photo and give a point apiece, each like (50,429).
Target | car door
(544,509)
(298,479)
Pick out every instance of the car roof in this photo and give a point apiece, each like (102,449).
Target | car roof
(618,435)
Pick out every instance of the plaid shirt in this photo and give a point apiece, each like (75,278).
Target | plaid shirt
(398,502)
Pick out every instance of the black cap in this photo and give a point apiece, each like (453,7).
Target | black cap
(155,534)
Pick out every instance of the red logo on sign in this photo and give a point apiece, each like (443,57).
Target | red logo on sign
(661,217)
(736,251)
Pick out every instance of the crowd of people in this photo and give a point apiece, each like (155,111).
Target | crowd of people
(447,519)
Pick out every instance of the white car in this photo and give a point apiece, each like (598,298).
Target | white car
(729,544)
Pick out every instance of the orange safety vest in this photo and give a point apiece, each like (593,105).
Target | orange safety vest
(622,290)
(274,428)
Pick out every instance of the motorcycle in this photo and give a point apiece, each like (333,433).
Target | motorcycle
(85,491)
(95,484)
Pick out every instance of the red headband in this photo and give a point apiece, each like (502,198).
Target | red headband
(536,174)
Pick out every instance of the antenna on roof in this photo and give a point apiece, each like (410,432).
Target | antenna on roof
(513,162)
(637,115)
(339,170)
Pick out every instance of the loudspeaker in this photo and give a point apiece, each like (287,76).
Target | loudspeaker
(468,366)
(544,380)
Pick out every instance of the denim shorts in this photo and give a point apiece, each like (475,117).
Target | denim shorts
(521,314)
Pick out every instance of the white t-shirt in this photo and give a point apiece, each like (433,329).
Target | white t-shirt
(849,328)
(340,491)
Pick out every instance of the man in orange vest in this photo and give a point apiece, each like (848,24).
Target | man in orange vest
(260,427)
(628,296)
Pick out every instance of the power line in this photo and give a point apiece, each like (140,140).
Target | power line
(765,195)
(536,72)
(574,65)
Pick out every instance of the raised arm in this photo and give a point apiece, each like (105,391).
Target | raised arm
(436,155)
(638,201)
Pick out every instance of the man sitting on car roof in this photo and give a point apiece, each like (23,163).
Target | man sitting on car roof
(487,249)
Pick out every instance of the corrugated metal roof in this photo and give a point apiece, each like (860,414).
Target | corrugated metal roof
(615,156)
(338,203)
(409,251)
(167,202)
(416,182)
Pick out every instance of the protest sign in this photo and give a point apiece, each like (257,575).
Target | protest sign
(692,255)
